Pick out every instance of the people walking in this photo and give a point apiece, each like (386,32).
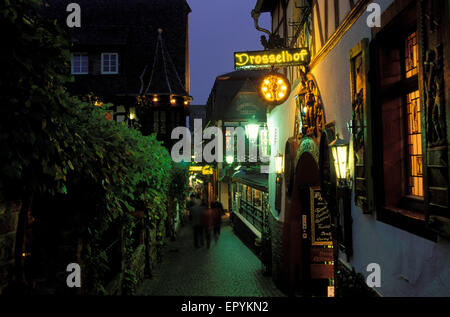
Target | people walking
(218,212)
(196,214)
(208,224)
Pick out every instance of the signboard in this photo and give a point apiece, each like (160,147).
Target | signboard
(269,58)
(195,168)
(207,170)
(322,254)
(331,291)
(320,219)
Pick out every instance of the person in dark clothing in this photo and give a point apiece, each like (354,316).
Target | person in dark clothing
(218,212)
(208,220)
(196,214)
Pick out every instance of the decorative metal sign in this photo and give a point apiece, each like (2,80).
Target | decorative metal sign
(274,89)
(269,58)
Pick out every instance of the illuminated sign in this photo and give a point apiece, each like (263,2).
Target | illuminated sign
(195,168)
(274,89)
(267,59)
(207,170)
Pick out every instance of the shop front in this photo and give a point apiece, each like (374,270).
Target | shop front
(249,216)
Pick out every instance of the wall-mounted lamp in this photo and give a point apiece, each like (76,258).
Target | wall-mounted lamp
(339,149)
(132,114)
(278,160)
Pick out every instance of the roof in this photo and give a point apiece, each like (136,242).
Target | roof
(129,27)
(234,97)
(161,76)
(255,180)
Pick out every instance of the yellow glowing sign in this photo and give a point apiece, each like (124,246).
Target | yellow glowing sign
(195,168)
(274,89)
(207,170)
(266,59)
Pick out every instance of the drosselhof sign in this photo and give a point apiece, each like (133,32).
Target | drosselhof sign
(269,58)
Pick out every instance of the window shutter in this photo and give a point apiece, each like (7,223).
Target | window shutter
(361,129)
(434,49)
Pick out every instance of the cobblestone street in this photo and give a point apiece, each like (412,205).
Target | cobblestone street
(226,269)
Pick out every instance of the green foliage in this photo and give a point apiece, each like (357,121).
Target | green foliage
(54,144)
(180,182)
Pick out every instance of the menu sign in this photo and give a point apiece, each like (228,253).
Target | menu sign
(320,219)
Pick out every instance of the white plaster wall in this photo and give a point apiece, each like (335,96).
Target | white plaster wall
(410,265)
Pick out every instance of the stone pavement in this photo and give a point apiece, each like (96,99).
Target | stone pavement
(226,269)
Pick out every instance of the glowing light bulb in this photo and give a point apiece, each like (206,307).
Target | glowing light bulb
(280,81)
(264,89)
(173,101)
(283,88)
(266,82)
(155,99)
(280,95)
(268,96)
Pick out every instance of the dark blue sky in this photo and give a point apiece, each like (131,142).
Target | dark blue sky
(217,29)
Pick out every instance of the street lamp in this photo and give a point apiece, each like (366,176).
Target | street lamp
(339,150)
(252,130)
(132,115)
(229,159)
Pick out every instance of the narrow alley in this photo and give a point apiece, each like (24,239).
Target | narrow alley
(226,269)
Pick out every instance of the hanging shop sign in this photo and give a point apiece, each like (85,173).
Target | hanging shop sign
(271,58)
(274,89)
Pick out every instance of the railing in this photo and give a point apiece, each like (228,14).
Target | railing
(252,214)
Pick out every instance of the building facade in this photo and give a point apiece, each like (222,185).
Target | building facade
(384,89)
(134,55)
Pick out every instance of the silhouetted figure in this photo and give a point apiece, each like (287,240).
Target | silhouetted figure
(196,214)
(208,224)
(218,212)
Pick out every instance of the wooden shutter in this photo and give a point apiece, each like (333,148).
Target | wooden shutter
(434,83)
(361,128)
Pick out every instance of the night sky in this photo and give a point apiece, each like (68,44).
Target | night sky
(218,28)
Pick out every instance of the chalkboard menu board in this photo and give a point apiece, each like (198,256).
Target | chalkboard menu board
(320,219)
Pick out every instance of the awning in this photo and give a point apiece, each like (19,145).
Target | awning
(255,180)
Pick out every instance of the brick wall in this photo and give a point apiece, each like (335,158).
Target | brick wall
(9,216)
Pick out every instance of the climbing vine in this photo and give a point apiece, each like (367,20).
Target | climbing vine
(54,144)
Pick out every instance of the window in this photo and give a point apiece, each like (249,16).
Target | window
(79,64)
(110,63)
(401,120)
(414,146)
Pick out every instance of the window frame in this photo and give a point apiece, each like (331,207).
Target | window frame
(81,64)
(408,213)
(102,70)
